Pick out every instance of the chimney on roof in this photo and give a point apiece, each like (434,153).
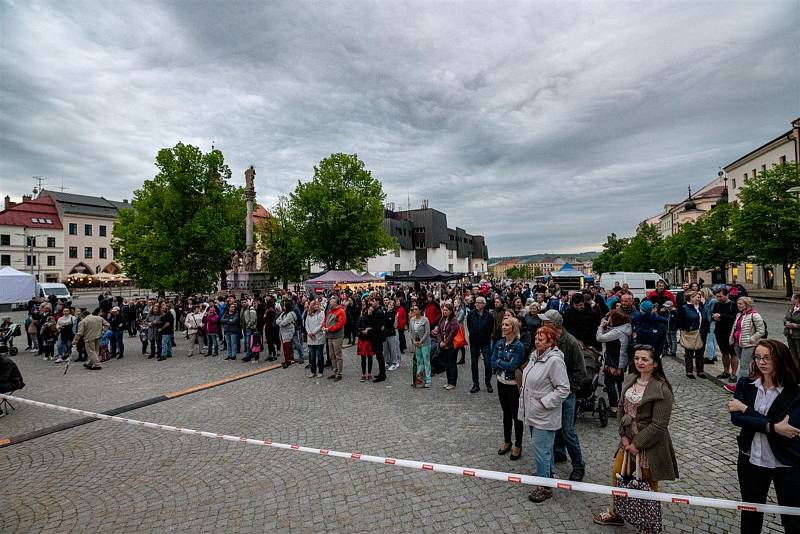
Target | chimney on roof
(26,198)
(424,204)
(8,203)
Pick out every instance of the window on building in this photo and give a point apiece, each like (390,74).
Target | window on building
(449,254)
(5,259)
(31,260)
(73,228)
(397,253)
(396,267)
(450,267)
(102,253)
(51,242)
(87,229)
(735,272)
(782,160)
(5,240)
(51,261)
(744,178)
(733,181)
(754,173)
(87,252)
(101,230)
(748,273)
(73,252)
(763,168)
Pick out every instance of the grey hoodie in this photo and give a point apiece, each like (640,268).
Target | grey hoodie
(621,333)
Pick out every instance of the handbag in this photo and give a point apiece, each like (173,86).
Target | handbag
(639,513)
(691,340)
(459,340)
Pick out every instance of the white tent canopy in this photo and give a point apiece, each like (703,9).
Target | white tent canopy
(16,286)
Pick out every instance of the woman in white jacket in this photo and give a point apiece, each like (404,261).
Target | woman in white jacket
(545,386)
(316,339)
(748,329)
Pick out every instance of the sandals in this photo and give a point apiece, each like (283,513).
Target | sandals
(504,449)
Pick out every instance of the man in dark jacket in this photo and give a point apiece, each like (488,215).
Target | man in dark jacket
(567,440)
(480,324)
(724,314)
(582,321)
(117,322)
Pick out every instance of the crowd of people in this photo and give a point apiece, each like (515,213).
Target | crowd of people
(532,340)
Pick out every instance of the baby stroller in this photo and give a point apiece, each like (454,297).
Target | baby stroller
(587,399)
(7,335)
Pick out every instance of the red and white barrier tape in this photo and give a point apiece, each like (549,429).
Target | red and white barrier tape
(444,468)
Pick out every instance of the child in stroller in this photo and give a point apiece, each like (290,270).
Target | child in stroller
(8,331)
(587,399)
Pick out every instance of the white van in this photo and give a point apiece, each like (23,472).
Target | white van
(59,290)
(640,284)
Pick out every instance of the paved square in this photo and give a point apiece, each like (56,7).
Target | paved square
(109,477)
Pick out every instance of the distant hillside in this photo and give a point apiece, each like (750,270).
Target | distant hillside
(580,256)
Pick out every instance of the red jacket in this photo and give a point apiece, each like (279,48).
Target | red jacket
(402,319)
(667,294)
(335,319)
(432,313)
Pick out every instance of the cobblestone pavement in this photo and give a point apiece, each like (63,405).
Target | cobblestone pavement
(107,477)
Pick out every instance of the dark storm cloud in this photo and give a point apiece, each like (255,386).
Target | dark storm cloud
(542,126)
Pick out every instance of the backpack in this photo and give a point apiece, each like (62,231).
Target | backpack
(651,333)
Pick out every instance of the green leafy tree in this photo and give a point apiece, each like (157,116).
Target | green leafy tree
(768,223)
(637,253)
(519,272)
(185,223)
(286,259)
(339,213)
(710,243)
(537,271)
(610,259)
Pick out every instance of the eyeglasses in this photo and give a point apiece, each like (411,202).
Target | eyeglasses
(762,359)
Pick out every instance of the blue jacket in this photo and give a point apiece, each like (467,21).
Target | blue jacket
(689,320)
(230,323)
(506,358)
(786,450)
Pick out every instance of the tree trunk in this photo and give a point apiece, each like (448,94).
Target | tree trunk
(787,277)
(285,284)
(723,270)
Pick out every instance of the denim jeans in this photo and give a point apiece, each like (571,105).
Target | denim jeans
(567,441)
(475,353)
(316,358)
(213,344)
(711,344)
(232,341)
(247,334)
(117,345)
(166,345)
(297,345)
(672,343)
(543,451)
(745,355)
(64,348)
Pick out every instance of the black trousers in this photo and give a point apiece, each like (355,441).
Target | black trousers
(694,358)
(450,356)
(509,402)
(401,334)
(377,348)
(613,387)
(754,482)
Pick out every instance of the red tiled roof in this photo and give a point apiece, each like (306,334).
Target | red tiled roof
(261,212)
(30,212)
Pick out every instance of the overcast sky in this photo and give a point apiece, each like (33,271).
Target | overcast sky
(543,126)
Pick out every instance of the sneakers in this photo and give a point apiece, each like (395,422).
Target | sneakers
(319,375)
(540,494)
(393,367)
(449,387)
(426,385)
(733,379)
(369,377)
(690,375)
(701,375)
(489,388)
(337,378)
(724,374)
(311,375)
(730,388)
(608,518)
(60,360)
(363,378)
(332,376)
(474,389)
(46,359)
(379,378)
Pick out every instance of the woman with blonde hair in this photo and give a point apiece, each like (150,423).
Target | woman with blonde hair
(508,355)
(748,329)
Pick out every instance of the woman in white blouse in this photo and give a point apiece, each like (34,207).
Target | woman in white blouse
(766,406)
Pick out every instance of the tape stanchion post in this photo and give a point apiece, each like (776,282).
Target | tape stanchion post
(514,478)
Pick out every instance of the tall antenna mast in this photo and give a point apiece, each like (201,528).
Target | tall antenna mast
(62,188)
(38,189)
